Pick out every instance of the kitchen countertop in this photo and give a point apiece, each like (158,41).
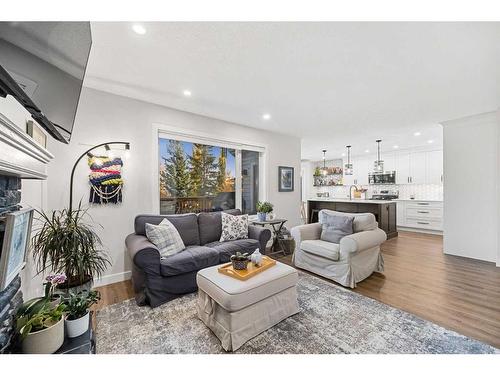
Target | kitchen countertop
(347,200)
(418,200)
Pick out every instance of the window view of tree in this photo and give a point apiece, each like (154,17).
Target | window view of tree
(195,177)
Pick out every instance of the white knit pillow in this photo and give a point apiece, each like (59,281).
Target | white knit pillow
(234,227)
(166,238)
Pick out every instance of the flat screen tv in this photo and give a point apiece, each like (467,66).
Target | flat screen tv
(42,65)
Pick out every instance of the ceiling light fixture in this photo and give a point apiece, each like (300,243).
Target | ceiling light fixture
(378,165)
(367,151)
(139,29)
(430,141)
(395,146)
(187,93)
(266,116)
(324,170)
(348,170)
(417,134)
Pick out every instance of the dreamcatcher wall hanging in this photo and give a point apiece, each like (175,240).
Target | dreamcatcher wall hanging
(105,179)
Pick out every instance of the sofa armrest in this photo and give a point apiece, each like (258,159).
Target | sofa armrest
(305,232)
(361,241)
(261,234)
(144,254)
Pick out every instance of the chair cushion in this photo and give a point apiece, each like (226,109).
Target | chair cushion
(210,225)
(362,222)
(165,237)
(226,249)
(336,227)
(186,225)
(193,258)
(233,227)
(234,295)
(321,248)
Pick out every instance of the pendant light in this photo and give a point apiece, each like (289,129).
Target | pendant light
(324,170)
(378,165)
(348,170)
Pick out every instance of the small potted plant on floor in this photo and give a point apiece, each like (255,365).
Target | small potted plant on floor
(263,208)
(240,261)
(41,329)
(77,308)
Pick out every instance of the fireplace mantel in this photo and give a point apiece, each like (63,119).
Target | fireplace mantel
(20,155)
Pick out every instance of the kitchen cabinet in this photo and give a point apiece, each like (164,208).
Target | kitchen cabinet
(417,167)
(362,168)
(389,162)
(434,167)
(403,168)
(418,215)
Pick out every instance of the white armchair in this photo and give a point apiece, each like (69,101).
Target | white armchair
(355,258)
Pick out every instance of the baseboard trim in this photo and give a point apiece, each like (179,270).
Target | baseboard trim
(114,278)
(417,230)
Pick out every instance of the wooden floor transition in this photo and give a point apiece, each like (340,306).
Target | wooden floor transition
(457,293)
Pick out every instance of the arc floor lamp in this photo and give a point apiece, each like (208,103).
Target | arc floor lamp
(86,153)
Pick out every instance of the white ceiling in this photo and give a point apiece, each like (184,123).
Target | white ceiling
(331,84)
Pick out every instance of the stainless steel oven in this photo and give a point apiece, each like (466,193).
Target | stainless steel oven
(385,178)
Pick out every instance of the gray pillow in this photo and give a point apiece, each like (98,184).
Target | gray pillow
(166,238)
(334,228)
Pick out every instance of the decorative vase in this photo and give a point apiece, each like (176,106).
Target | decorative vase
(77,327)
(256,258)
(46,341)
(261,216)
(240,264)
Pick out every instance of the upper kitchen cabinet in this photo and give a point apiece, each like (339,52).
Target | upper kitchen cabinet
(389,162)
(417,168)
(362,167)
(403,168)
(434,167)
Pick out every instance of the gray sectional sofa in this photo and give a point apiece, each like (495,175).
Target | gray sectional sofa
(158,280)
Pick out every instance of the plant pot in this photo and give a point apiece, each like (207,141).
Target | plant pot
(46,341)
(240,264)
(261,216)
(77,327)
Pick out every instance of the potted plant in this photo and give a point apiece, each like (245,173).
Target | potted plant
(263,208)
(240,261)
(51,283)
(41,329)
(77,308)
(65,242)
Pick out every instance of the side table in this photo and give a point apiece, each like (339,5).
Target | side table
(276,226)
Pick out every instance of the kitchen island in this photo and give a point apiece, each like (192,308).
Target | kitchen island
(384,211)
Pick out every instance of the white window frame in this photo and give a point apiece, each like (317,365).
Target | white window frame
(187,135)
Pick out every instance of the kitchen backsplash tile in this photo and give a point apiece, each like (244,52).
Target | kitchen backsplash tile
(419,191)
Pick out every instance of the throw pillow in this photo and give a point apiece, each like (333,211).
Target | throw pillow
(233,227)
(166,238)
(336,227)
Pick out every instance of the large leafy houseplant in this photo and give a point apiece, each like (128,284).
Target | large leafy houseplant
(66,242)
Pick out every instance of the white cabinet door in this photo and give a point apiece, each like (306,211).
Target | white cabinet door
(389,162)
(417,168)
(361,169)
(434,167)
(403,168)
(401,213)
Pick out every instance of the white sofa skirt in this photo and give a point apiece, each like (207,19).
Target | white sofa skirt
(345,271)
(235,328)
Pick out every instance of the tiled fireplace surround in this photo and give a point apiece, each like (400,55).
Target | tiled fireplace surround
(20,157)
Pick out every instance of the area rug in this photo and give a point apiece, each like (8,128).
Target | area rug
(331,320)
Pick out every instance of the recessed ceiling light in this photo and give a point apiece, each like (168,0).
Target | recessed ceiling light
(416,134)
(430,141)
(367,151)
(187,93)
(343,154)
(266,116)
(395,146)
(139,29)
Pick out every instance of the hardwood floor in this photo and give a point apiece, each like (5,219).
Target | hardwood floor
(457,293)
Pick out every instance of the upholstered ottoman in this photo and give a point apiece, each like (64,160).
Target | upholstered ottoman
(238,310)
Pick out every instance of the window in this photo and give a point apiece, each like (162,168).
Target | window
(201,174)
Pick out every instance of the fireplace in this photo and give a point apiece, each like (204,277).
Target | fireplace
(20,158)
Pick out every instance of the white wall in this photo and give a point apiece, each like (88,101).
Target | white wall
(471,177)
(105,117)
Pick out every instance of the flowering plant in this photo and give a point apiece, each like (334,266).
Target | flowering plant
(52,282)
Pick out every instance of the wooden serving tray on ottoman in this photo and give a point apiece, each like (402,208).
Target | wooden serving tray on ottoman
(251,271)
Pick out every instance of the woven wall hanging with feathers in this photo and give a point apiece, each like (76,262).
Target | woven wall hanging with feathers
(105,179)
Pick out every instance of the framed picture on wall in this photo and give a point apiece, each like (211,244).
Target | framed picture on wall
(15,244)
(285,179)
